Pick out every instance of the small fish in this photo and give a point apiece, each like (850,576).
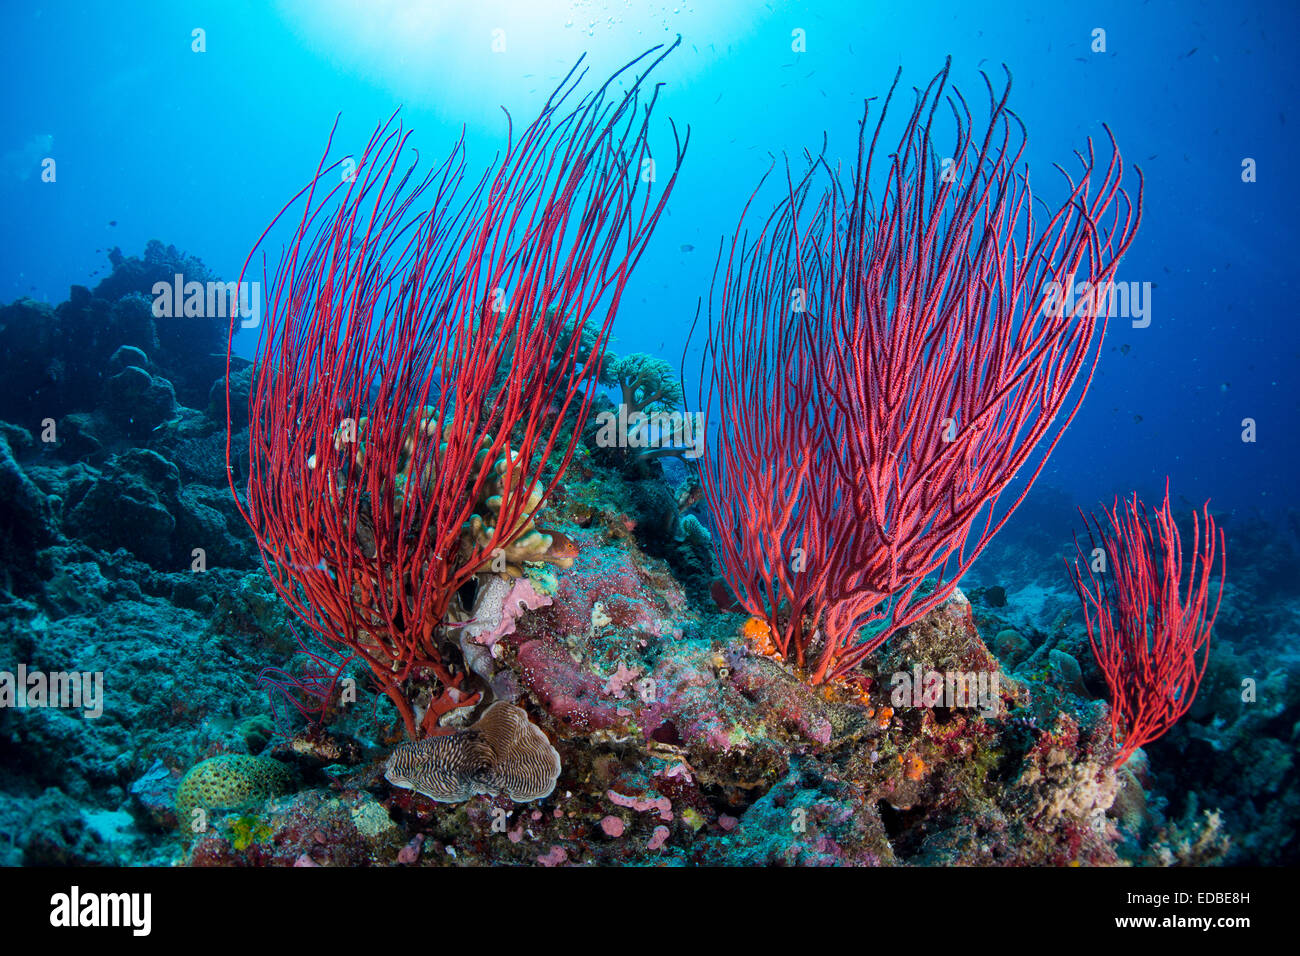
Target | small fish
(318,566)
(1137,419)
(687,247)
(562,550)
(112,222)
(1189,53)
(1123,349)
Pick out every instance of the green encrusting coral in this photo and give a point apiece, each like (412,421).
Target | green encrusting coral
(231,782)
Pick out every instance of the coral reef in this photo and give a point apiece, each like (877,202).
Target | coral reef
(678,734)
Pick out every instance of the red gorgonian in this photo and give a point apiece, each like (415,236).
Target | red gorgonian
(1149,635)
(885,363)
(422,374)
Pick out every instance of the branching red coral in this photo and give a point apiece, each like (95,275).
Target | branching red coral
(885,365)
(411,367)
(1150,638)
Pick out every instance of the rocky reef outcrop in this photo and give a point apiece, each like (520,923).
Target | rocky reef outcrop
(977,736)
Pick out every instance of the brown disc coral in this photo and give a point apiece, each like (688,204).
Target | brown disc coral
(504,752)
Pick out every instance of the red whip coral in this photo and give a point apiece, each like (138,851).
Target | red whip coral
(885,365)
(1150,641)
(415,372)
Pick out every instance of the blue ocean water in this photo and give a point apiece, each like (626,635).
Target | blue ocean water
(200,149)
